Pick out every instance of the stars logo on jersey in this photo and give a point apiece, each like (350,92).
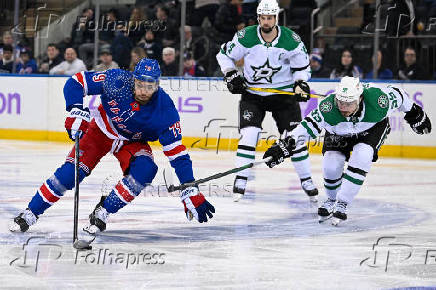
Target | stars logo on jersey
(265,71)
(247,115)
(296,37)
(326,107)
(241,33)
(383,101)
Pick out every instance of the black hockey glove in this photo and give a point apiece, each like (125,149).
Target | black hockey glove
(280,150)
(235,82)
(302,91)
(418,120)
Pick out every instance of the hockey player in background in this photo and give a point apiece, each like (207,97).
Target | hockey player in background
(275,58)
(134,111)
(356,120)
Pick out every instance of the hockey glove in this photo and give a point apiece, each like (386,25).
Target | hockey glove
(77,121)
(196,205)
(302,91)
(418,120)
(280,150)
(235,82)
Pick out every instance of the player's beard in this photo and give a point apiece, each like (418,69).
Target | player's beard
(266,29)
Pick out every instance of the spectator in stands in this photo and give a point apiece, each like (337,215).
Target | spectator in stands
(26,64)
(70,66)
(7,39)
(106,35)
(106,61)
(7,61)
(249,13)
(121,47)
(191,68)
(53,58)
(82,35)
(228,20)
(318,70)
(152,48)
(168,31)
(410,70)
(346,66)
(203,9)
(382,71)
(64,44)
(169,65)
(136,27)
(136,55)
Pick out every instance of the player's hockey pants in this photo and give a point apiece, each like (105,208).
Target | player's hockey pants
(135,158)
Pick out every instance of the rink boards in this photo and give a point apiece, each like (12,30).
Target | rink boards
(33,108)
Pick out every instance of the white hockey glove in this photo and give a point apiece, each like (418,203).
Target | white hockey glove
(77,121)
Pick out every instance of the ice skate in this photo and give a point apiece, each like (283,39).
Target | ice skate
(340,214)
(310,189)
(239,188)
(23,221)
(97,219)
(325,211)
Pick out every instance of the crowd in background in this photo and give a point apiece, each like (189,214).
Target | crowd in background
(151,29)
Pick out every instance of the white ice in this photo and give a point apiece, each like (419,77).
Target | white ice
(270,239)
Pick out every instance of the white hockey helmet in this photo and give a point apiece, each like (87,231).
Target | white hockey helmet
(349,90)
(268,7)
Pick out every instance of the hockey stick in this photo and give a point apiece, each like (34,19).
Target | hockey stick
(78,244)
(170,186)
(267,90)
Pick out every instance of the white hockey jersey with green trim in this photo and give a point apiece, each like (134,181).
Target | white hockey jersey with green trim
(379,102)
(275,64)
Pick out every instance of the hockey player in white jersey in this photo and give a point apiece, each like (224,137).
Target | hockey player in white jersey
(356,119)
(275,58)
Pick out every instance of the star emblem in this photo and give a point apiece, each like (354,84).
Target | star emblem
(265,71)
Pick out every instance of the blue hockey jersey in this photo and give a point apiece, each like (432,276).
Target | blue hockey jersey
(120,117)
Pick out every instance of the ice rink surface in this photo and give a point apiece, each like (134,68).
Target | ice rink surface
(269,240)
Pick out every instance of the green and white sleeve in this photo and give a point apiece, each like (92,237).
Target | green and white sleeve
(309,128)
(300,63)
(398,99)
(229,53)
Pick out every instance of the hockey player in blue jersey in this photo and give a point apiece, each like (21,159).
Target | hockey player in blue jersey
(134,110)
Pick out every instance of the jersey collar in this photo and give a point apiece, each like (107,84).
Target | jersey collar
(359,115)
(275,40)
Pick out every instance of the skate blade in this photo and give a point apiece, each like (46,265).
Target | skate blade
(336,222)
(322,219)
(83,245)
(91,229)
(14,227)
(237,197)
(313,202)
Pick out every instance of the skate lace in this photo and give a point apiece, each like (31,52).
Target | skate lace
(102,214)
(329,203)
(29,217)
(308,184)
(341,206)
